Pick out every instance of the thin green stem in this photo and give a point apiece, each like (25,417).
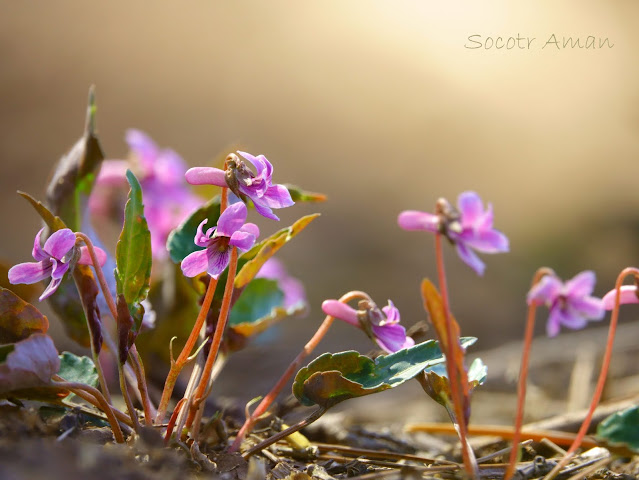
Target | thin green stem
(292,368)
(178,365)
(605,365)
(138,367)
(127,399)
(523,375)
(451,369)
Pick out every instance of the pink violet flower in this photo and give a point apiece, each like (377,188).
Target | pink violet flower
(167,198)
(54,259)
(629,294)
(382,326)
(570,303)
(469,227)
(231,231)
(244,183)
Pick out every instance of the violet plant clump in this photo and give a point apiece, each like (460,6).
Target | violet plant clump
(223,247)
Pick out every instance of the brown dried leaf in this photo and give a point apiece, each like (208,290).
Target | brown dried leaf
(19,319)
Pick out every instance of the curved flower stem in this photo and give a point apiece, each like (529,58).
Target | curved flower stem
(292,368)
(614,317)
(199,395)
(285,433)
(94,348)
(470,463)
(98,400)
(138,367)
(178,365)
(218,366)
(523,374)
(100,274)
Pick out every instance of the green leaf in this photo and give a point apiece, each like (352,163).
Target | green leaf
(133,252)
(19,319)
(262,251)
(437,386)
(72,180)
(54,222)
(180,241)
(333,378)
(621,429)
(257,301)
(298,195)
(77,369)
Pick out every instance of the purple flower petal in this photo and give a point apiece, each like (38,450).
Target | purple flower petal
(581,284)
(195,263)
(231,220)
(589,307)
(85,258)
(628,295)
(218,259)
(340,310)
(242,240)
(263,167)
(50,290)
(470,207)
(414,220)
(250,228)
(30,272)
(391,312)
(264,210)
(571,318)
(545,291)
(554,322)
(113,173)
(60,243)
(277,196)
(206,176)
(292,288)
(203,239)
(144,147)
(470,259)
(391,337)
(59,269)
(37,251)
(169,167)
(485,241)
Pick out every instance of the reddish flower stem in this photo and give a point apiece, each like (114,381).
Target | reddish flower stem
(523,375)
(172,420)
(470,463)
(138,368)
(199,395)
(292,368)
(178,365)
(605,365)
(95,397)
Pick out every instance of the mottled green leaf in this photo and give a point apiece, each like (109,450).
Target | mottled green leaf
(436,382)
(298,195)
(621,429)
(19,319)
(333,378)
(133,258)
(180,241)
(69,189)
(259,298)
(77,369)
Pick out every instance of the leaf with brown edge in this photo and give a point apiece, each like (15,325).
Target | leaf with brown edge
(298,195)
(435,306)
(261,252)
(19,319)
(27,364)
(72,180)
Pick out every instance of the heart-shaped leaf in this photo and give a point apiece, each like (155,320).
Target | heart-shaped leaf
(621,429)
(27,364)
(257,301)
(180,241)
(77,369)
(133,259)
(333,378)
(19,319)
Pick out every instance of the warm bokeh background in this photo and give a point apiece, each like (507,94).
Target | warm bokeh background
(375,103)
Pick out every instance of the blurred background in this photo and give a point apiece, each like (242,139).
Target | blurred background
(378,105)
